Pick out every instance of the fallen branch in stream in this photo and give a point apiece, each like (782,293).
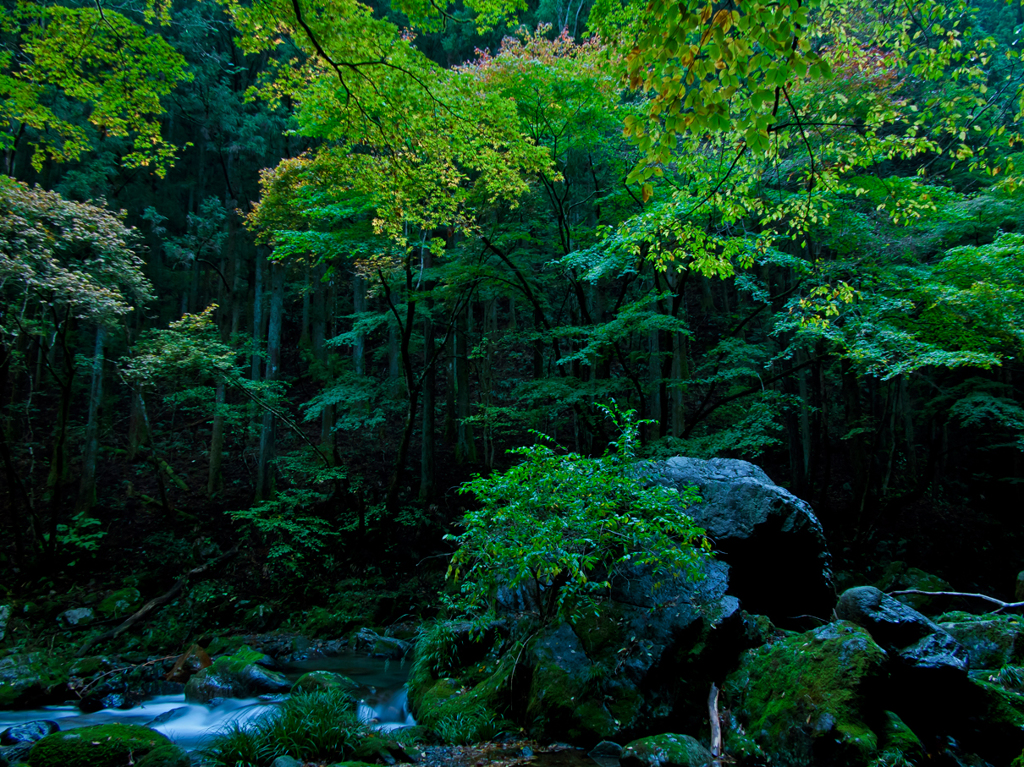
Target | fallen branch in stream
(1002,605)
(156,603)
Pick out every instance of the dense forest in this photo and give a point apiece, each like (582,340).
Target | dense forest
(278,278)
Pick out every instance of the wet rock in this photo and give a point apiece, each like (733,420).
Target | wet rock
(77,616)
(806,700)
(317,681)
(235,676)
(287,761)
(781,566)
(29,732)
(667,750)
(12,755)
(918,641)
(5,616)
(105,745)
(381,646)
(606,749)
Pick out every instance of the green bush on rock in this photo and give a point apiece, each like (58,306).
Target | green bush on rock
(105,745)
(562,526)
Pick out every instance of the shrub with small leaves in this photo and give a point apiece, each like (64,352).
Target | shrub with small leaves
(562,525)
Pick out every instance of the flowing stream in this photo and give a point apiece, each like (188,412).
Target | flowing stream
(382,703)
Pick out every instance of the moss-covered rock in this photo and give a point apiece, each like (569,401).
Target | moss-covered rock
(897,738)
(899,576)
(166,756)
(31,679)
(668,750)
(805,699)
(466,709)
(105,745)
(235,676)
(315,681)
(121,602)
(992,641)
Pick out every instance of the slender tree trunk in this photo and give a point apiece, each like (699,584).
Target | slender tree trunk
(465,449)
(318,339)
(265,470)
(90,452)
(215,482)
(359,306)
(257,315)
(429,384)
(137,435)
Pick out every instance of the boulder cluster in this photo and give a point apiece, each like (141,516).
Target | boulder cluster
(806,678)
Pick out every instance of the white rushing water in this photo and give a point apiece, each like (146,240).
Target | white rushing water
(383,705)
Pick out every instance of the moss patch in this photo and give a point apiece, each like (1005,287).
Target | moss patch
(105,745)
(165,756)
(993,641)
(801,698)
(121,602)
(668,750)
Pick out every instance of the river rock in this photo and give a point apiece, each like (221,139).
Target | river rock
(14,755)
(317,681)
(77,616)
(918,641)
(104,745)
(381,646)
(781,566)
(606,749)
(29,732)
(805,700)
(235,676)
(667,750)
(28,680)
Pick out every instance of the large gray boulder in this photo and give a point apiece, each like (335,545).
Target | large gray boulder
(781,565)
(628,670)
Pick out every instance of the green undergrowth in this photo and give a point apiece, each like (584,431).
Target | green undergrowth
(317,726)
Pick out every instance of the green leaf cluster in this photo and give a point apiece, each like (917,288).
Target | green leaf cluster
(563,526)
